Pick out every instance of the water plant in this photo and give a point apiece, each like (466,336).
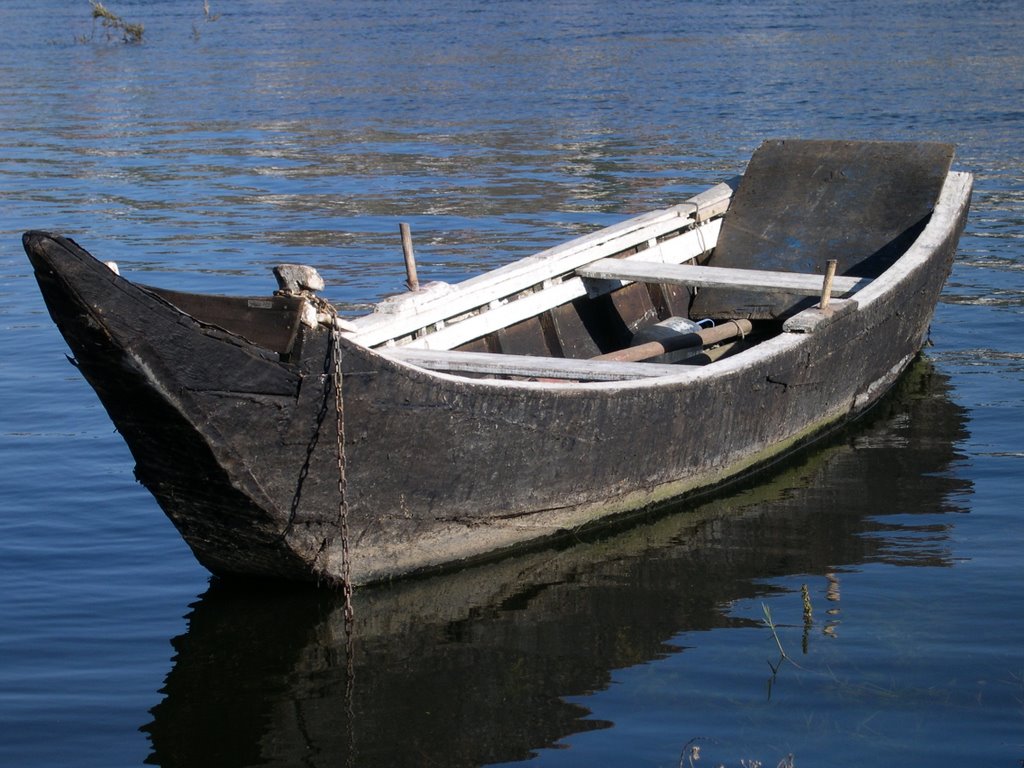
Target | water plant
(783,656)
(113,24)
(208,15)
(805,594)
(691,755)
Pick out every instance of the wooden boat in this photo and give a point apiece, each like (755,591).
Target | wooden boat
(563,390)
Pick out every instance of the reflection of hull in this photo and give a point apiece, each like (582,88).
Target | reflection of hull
(228,408)
(468,668)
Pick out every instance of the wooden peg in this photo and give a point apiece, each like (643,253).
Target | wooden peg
(412,282)
(826,288)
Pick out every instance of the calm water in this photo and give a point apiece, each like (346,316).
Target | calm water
(303,132)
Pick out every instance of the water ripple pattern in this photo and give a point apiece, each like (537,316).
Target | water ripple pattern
(241,134)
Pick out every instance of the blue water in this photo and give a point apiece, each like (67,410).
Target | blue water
(267,132)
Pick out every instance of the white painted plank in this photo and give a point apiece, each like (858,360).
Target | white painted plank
(685,246)
(501,316)
(506,281)
(717,277)
(527,366)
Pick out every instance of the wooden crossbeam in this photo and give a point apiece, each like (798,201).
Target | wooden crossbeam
(527,366)
(717,277)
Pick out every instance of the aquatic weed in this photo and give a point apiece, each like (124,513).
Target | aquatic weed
(691,755)
(208,15)
(112,23)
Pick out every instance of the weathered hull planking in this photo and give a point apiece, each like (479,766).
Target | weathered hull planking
(238,438)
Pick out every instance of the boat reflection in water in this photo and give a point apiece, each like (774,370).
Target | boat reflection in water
(473,667)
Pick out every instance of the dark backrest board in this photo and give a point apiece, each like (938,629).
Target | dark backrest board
(801,203)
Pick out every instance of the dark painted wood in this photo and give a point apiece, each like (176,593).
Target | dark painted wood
(268,321)
(635,309)
(165,380)
(574,337)
(801,203)
(525,338)
(477,345)
(240,447)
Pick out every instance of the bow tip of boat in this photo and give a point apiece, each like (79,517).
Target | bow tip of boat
(41,247)
(34,240)
(53,253)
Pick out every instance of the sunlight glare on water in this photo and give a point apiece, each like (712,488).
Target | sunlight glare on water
(256,133)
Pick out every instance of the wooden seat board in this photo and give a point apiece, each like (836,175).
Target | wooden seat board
(719,277)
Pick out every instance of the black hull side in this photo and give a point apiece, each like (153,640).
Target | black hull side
(112,328)
(241,449)
(443,470)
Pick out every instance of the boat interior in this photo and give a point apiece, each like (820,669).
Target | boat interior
(683,286)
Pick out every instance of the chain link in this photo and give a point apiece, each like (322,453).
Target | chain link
(346,559)
(346,573)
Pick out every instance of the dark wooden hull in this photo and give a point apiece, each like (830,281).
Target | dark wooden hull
(240,446)
(679,573)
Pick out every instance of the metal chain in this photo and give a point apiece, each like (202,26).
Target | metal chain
(346,560)
(346,576)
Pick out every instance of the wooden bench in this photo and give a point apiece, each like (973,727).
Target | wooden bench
(718,277)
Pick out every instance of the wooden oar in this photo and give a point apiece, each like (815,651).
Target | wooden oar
(705,336)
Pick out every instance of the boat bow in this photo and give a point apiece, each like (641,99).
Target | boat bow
(177,390)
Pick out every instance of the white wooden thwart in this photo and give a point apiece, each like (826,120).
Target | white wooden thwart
(716,277)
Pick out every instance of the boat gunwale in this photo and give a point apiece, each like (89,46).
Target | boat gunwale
(382,327)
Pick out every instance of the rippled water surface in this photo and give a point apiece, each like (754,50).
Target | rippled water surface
(261,132)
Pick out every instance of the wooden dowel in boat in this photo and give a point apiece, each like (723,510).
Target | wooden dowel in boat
(703,337)
(412,282)
(826,288)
